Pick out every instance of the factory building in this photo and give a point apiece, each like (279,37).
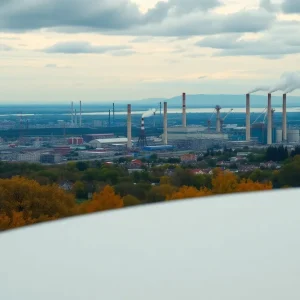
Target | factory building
(50,158)
(96,154)
(100,143)
(75,141)
(33,157)
(195,138)
(158,148)
(94,136)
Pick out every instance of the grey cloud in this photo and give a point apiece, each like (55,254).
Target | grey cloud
(228,41)
(172,18)
(4,47)
(81,47)
(141,39)
(179,7)
(248,21)
(202,77)
(104,14)
(268,5)
(291,6)
(266,47)
(208,24)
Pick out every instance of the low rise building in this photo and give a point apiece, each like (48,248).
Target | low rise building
(99,143)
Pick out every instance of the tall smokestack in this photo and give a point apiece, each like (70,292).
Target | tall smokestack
(109,118)
(75,118)
(113,113)
(165,123)
(80,117)
(142,126)
(218,125)
(269,136)
(248,125)
(284,124)
(183,110)
(129,136)
(160,113)
(72,113)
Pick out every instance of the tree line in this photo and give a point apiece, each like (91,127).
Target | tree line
(24,201)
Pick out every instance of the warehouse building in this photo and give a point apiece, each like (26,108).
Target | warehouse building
(111,142)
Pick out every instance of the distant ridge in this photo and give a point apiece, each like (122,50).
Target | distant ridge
(192,101)
(202,100)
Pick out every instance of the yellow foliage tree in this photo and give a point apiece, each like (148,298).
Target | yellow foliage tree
(28,196)
(104,200)
(24,202)
(249,186)
(224,182)
(4,221)
(19,219)
(186,192)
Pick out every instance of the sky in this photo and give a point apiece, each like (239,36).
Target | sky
(104,50)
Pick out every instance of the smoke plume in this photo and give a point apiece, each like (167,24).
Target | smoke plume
(288,82)
(260,88)
(149,113)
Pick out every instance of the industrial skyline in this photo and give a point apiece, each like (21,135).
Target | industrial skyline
(157,50)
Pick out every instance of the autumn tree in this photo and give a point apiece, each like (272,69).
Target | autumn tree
(189,192)
(105,200)
(29,197)
(160,193)
(224,182)
(249,186)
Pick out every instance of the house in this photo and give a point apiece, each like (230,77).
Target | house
(136,163)
(198,172)
(66,186)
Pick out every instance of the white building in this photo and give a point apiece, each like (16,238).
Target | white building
(29,156)
(100,143)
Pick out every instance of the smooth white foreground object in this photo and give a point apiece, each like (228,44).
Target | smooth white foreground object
(236,247)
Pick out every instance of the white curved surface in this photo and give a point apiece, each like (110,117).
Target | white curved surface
(236,247)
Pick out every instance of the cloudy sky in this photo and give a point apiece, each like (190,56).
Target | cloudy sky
(99,50)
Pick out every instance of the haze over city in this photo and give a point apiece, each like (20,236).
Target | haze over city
(104,50)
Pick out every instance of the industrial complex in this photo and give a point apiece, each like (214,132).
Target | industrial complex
(130,133)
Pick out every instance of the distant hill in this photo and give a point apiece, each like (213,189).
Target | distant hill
(201,100)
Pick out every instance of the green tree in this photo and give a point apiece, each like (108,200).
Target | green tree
(289,174)
(130,200)
(79,190)
(82,166)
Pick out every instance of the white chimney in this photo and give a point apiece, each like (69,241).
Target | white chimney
(269,135)
(72,112)
(248,125)
(183,110)
(129,137)
(284,124)
(80,117)
(218,125)
(165,123)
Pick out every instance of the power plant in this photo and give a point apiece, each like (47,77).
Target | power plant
(282,135)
